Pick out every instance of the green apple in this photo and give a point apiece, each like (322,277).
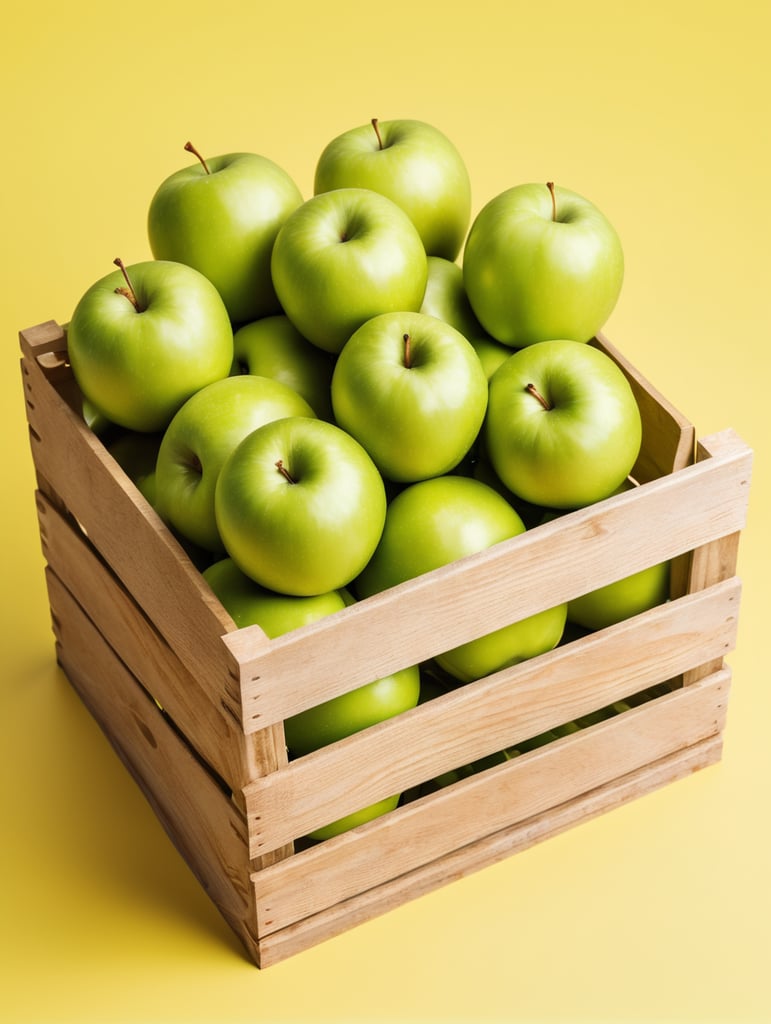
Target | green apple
(144,338)
(415,165)
(300,506)
(621,599)
(356,818)
(221,215)
(344,257)
(200,438)
(563,428)
(273,347)
(411,390)
(137,455)
(541,262)
(446,299)
(434,522)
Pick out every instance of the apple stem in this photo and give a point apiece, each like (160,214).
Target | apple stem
(128,292)
(407,351)
(377,132)
(285,472)
(191,149)
(533,390)
(550,186)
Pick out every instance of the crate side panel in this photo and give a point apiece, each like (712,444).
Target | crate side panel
(506,796)
(548,565)
(200,819)
(668,437)
(206,725)
(326,924)
(491,715)
(128,533)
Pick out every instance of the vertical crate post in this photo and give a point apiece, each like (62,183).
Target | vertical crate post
(712,563)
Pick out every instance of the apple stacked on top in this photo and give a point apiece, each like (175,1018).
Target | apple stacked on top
(326,397)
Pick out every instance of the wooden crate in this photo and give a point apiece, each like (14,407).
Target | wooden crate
(195,707)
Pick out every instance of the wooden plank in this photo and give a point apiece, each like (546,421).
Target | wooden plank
(124,527)
(192,705)
(326,924)
(131,537)
(668,437)
(490,715)
(504,796)
(203,823)
(709,564)
(547,565)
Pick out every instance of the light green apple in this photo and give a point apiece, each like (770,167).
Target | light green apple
(438,521)
(300,506)
(563,428)
(344,257)
(273,347)
(137,454)
(542,262)
(200,438)
(414,164)
(221,215)
(146,337)
(411,390)
(446,299)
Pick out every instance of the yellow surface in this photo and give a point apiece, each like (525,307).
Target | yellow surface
(658,911)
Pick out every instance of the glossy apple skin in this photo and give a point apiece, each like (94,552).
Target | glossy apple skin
(311,535)
(199,439)
(418,167)
(445,297)
(137,368)
(579,450)
(530,278)
(344,257)
(435,522)
(273,347)
(415,406)
(224,224)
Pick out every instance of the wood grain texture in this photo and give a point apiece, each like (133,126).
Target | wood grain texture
(508,794)
(491,715)
(547,565)
(276,946)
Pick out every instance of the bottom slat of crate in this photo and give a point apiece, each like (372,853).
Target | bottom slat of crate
(487,851)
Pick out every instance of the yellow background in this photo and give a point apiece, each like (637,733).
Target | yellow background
(659,112)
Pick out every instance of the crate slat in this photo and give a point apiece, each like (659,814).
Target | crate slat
(493,714)
(459,602)
(146,654)
(436,825)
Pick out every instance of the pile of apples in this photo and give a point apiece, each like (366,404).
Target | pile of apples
(326,397)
